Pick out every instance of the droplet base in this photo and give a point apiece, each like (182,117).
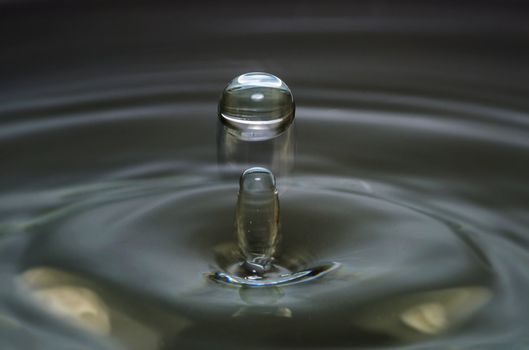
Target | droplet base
(237,275)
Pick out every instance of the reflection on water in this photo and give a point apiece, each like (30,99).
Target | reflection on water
(447,308)
(262,301)
(78,304)
(423,314)
(71,299)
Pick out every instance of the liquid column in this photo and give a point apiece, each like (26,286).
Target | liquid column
(255,131)
(257,219)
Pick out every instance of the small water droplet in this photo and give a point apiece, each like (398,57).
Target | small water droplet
(256,105)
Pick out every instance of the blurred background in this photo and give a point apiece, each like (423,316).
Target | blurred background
(45,37)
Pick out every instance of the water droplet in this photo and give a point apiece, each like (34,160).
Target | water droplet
(256,106)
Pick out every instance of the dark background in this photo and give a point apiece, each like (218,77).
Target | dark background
(41,37)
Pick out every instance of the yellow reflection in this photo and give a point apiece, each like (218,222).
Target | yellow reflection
(136,325)
(429,318)
(451,307)
(423,314)
(72,303)
(77,304)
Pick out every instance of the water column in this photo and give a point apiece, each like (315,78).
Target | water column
(255,141)
(255,138)
(257,219)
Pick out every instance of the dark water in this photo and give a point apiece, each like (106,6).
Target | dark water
(411,170)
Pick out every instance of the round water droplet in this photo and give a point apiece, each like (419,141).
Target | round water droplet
(256,106)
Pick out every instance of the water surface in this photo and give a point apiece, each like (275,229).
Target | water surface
(410,171)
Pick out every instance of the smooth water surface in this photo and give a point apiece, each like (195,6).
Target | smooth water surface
(410,170)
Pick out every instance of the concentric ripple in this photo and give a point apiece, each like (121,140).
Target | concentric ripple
(115,201)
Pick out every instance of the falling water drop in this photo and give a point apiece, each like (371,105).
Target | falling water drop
(256,106)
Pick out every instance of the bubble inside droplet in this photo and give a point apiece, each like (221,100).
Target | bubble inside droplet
(256,105)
